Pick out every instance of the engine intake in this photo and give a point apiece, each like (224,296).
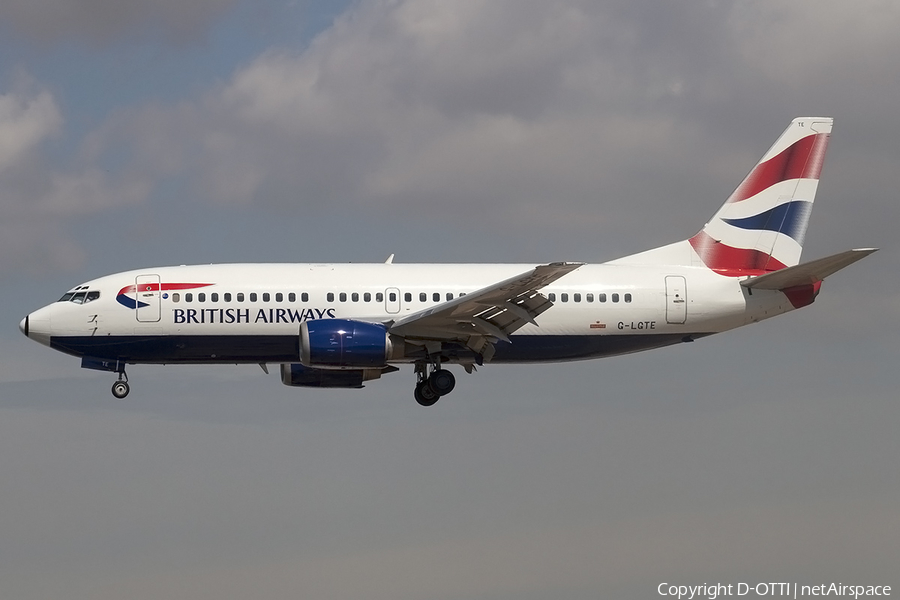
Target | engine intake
(344,344)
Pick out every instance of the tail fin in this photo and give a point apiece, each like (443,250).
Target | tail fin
(761,226)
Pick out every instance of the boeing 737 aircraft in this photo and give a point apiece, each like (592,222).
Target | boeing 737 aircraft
(339,325)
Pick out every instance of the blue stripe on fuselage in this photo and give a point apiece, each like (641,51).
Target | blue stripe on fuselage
(286,348)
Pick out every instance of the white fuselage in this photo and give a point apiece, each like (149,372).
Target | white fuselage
(251,313)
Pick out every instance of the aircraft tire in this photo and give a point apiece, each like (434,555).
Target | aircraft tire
(442,382)
(120,389)
(425,395)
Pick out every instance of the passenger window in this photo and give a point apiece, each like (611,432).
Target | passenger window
(227,296)
(330,296)
(188,297)
(354,297)
(253,296)
(589,298)
(176,297)
(627,297)
(292,297)
(367,297)
(343,296)
(564,297)
(462,293)
(615,297)
(602,297)
(407,296)
(304,297)
(449,295)
(240,296)
(551,296)
(379,297)
(214,297)
(392,296)
(201,297)
(266,297)
(279,297)
(436,297)
(576,297)
(423,296)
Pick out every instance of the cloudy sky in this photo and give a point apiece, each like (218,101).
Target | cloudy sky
(161,132)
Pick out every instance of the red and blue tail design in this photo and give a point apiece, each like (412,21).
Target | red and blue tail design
(762,225)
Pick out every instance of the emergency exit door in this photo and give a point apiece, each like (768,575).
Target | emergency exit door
(392,300)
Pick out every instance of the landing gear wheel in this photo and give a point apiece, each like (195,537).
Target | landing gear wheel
(442,382)
(425,395)
(120,389)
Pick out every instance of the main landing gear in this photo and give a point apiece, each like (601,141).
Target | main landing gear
(430,387)
(121,388)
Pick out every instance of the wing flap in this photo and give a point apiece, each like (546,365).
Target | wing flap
(807,273)
(485,316)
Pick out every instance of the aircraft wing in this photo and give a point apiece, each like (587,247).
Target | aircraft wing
(481,318)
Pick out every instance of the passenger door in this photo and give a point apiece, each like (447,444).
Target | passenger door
(147,296)
(676,299)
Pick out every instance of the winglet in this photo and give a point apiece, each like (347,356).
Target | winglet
(807,273)
(390,260)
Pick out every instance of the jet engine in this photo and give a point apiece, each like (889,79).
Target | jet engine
(344,344)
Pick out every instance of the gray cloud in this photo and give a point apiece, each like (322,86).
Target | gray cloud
(27,117)
(100,22)
(513,488)
(587,114)
(563,120)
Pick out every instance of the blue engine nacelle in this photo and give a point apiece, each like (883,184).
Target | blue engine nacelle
(344,344)
(298,375)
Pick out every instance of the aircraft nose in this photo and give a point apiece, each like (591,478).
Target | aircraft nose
(37,325)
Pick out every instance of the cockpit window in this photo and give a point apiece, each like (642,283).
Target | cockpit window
(80,297)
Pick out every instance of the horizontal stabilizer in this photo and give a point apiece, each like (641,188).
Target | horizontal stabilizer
(807,273)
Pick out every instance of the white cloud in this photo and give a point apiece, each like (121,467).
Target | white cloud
(568,115)
(402,105)
(88,191)
(37,199)
(27,118)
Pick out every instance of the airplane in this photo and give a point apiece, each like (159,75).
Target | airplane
(340,325)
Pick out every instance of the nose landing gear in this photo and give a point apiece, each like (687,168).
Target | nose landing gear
(430,387)
(121,388)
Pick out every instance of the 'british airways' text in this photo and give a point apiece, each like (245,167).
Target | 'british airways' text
(244,315)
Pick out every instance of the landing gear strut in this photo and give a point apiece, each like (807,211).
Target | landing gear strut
(430,387)
(121,388)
